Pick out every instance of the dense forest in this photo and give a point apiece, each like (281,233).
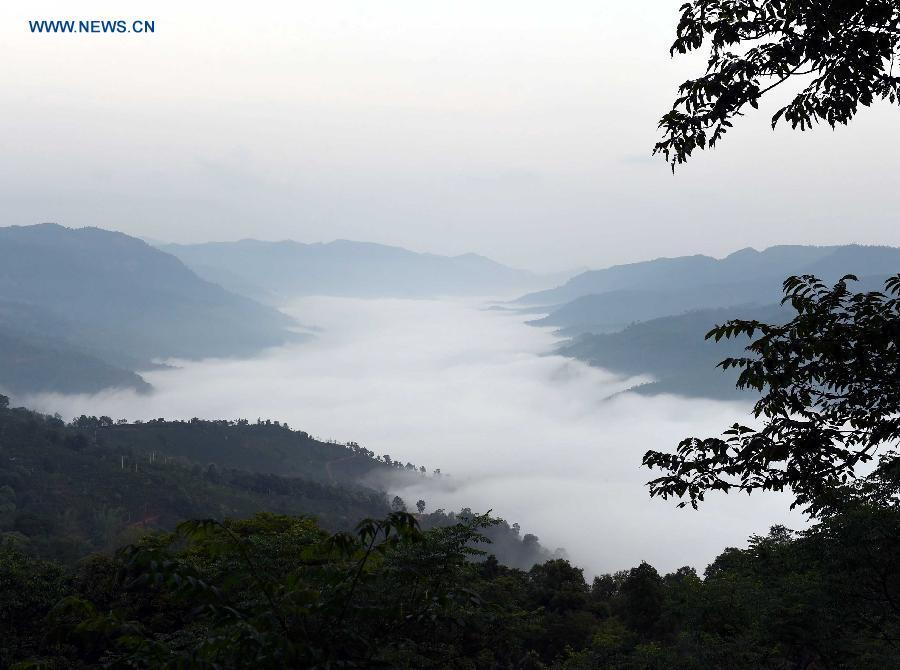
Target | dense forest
(275,591)
(95,484)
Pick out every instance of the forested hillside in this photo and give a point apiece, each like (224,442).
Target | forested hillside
(93,484)
(67,490)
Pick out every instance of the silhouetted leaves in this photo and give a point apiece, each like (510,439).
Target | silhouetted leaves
(843,54)
(830,385)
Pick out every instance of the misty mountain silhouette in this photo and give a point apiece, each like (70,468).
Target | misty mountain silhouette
(673,350)
(104,301)
(274,271)
(608,300)
(650,318)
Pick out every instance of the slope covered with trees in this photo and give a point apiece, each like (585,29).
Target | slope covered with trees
(67,490)
(95,483)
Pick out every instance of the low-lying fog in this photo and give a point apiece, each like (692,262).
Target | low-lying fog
(453,386)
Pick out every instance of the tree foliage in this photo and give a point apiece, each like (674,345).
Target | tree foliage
(840,54)
(275,591)
(830,385)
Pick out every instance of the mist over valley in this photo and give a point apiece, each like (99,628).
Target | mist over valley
(542,440)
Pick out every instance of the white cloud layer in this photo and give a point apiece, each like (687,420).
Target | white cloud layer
(451,386)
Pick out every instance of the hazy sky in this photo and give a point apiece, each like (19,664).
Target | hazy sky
(519,129)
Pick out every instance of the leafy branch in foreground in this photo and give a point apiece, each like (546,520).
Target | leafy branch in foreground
(830,385)
(844,51)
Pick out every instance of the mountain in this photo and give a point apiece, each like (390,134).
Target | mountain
(651,318)
(69,489)
(275,271)
(673,351)
(608,300)
(66,490)
(28,366)
(33,359)
(686,272)
(102,301)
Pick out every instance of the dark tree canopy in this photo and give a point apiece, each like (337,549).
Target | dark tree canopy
(839,53)
(830,384)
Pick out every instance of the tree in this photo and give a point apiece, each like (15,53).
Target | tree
(275,592)
(28,590)
(4,402)
(420,505)
(76,442)
(842,52)
(642,594)
(397,504)
(830,384)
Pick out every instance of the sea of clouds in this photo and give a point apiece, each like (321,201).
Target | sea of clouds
(539,439)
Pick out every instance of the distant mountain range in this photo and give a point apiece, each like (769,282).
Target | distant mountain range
(650,317)
(80,309)
(608,300)
(747,266)
(276,271)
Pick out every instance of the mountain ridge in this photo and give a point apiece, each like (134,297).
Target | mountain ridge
(775,261)
(610,299)
(98,295)
(346,268)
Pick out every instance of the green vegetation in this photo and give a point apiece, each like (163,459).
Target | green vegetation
(67,490)
(276,591)
(96,484)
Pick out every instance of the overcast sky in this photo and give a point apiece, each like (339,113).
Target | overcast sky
(518,129)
